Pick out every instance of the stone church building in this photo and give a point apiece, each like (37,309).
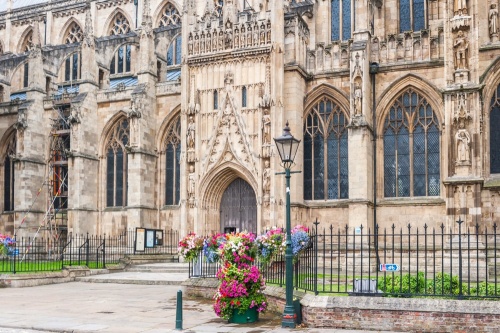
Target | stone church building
(116,114)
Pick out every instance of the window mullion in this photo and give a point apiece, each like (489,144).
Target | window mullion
(325,170)
(426,164)
(114,178)
(410,141)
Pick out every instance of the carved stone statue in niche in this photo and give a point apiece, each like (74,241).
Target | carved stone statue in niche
(358,99)
(191,186)
(266,179)
(266,127)
(191,131)
(196,44)
(460,7)
(493,22)
(463,144)
(461,47)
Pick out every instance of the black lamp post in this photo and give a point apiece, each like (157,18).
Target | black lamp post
(287,148)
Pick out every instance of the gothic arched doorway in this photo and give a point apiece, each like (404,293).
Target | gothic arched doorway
(238,208)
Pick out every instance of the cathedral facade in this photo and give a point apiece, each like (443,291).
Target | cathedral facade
(116,114)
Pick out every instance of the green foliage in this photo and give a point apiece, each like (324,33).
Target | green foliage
(405,284)
(485,289)
(445,284)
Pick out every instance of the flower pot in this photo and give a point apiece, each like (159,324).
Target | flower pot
(249,316)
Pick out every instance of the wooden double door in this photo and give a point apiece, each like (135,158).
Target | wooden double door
(238,208)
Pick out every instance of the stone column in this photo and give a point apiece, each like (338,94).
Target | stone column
(142,157)
(360,135)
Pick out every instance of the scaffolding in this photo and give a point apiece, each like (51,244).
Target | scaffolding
(56,219)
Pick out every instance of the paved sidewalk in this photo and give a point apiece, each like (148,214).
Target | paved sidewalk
(127,302)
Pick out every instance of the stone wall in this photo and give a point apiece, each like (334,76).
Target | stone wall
(415,315)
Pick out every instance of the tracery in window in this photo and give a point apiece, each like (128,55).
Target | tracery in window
(120,26)
(411,148)
(494,132)
(74,35)
(116,165)
(172,163)
(8,173)
(170,16)
(326,152)
(342,19)
(28,42)
(411,15)
(121,61)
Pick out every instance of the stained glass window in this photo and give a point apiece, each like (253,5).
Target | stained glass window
(116,165)
(216,100)
(494,132)
(72,67)
(326,152)
(411,15)
(341,19)
(122,60)
(120,25)
(411,148)
(170,16)
(8,173)
(172,163)
(174,59)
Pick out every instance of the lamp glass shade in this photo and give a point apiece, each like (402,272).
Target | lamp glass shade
(287,146)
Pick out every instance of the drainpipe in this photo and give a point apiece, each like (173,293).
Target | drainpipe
(136,4)
(374,67)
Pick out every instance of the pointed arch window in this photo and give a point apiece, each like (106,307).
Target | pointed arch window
(122,60)
(411,148)
(216,100)
(342,16)
(116,165)
(120,25)
(174,59)
(172,163)
(28,42)
(74,34)
(8,173)
(326,167)
(72,67)
(494,132)
(1,48)
(411,15)
(170,16)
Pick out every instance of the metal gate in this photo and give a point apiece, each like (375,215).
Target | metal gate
(238,208)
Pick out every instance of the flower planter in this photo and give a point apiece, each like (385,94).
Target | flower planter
(249,316)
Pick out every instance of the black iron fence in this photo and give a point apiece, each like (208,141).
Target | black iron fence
(37,254)
(453,262)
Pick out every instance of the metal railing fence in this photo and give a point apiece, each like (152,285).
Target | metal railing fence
(45,254)
(409,261)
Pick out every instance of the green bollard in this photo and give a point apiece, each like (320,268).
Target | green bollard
(178,311)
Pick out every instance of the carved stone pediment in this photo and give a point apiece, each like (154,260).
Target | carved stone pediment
(230,139)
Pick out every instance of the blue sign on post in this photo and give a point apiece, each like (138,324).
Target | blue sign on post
(389,267)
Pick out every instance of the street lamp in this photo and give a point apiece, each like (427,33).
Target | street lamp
(287,148)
